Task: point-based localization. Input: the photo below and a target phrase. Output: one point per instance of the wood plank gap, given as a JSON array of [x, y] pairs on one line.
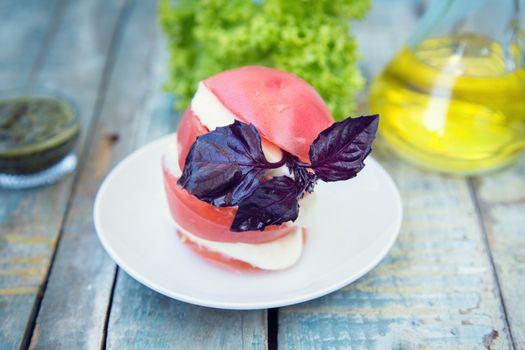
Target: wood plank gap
[[103, 343], [50, 32], [273, 328], [479, 213], [90, 134]]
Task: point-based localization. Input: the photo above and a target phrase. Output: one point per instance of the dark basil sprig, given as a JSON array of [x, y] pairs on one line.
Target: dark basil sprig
[[226, 167]]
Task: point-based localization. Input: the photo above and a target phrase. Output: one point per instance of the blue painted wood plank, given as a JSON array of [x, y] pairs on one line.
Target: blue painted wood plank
[[30, 221], [22, 259], [25, 25], [144, 319], [76, 64], [140, 317], [137, 111], [436, 289], [502, 197]]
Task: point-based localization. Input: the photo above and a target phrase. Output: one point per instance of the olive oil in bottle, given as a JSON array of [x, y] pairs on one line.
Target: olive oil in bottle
[[452, 104]]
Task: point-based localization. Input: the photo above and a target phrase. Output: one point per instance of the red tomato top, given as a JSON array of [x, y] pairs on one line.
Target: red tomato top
[[285, 109]]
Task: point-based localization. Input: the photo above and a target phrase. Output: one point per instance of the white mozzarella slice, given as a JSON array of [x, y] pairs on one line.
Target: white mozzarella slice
[[213, 114], [275, 255], [171, 159]]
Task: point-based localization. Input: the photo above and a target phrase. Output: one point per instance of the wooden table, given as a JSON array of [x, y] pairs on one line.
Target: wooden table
[[454, 279]]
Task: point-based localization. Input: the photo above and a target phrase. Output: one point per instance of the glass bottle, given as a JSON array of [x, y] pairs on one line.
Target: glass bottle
[[453, 99]]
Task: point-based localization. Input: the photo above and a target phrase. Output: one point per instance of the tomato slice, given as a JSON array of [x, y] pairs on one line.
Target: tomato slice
[[208, 222], [216, 257], [189, 128]]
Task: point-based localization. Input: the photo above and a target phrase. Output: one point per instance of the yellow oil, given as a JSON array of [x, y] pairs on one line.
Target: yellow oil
[[453, 104]]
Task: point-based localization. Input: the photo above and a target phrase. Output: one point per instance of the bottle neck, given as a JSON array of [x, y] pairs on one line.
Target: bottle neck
[[499, 24]]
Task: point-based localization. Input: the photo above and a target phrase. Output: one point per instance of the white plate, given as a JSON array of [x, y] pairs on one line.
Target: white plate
[[351, 228]]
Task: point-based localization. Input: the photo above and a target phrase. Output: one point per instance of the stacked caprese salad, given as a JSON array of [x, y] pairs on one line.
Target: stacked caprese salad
[[248, 153]]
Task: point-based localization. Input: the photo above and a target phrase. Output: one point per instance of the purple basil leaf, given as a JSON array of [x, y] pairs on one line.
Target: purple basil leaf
[[272, 203], [225, 166], [338, 152]]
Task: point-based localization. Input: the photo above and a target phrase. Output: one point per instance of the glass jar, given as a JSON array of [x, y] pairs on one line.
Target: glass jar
[[453, 99], [38, 130]]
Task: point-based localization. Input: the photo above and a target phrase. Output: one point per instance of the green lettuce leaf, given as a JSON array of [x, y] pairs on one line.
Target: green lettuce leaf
[[308, 38]]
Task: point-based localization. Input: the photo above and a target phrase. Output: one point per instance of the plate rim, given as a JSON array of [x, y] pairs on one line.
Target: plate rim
[[232, 305]]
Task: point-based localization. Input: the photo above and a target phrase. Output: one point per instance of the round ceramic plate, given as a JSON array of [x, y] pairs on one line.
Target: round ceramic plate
[[351, 227]]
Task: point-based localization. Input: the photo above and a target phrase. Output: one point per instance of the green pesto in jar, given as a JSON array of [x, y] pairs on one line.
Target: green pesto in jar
[[35, 133]]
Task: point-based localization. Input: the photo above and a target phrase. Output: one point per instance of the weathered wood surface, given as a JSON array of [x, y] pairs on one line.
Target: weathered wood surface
[[453, 280], [502, 204], [24, 28], [42, 51], [144, 319], [21, 266], [436, 289], [133, 112], [79, 59]]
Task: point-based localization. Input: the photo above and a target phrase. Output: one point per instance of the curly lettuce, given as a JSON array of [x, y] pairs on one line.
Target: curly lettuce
[[310, 38]]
